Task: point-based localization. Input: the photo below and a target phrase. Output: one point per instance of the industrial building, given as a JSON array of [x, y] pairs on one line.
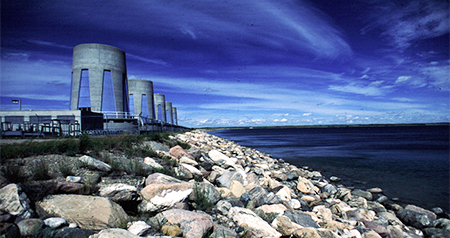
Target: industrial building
[[102, 101]]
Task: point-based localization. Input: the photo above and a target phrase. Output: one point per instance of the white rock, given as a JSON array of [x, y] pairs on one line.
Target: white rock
[[95, 163], [116, 187], [152, 162], [191, 169], [73, 179], [220, 158], [275, 208], [294, 203], [139, 228], [55, 222], [284, 194], [258, 226], [187, 160]]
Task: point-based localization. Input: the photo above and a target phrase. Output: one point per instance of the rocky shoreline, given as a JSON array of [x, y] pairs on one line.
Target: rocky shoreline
[[217, 188]]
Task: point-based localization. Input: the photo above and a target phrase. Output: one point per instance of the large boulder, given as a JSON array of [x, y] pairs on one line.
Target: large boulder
[[88, 212], [15, 202], [192, 224], [161, 196], [30, 226], [259, 227], [178, 152], [414, 218], [220, 158]]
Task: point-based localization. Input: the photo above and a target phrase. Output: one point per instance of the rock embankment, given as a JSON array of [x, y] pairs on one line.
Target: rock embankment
[[217, 188]]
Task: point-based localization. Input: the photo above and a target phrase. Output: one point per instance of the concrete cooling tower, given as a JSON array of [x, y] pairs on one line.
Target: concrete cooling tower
[[141, 97], [160, 107], [99, 79]]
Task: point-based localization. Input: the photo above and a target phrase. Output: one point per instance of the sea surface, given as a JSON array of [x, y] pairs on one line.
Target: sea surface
[[410, 163]]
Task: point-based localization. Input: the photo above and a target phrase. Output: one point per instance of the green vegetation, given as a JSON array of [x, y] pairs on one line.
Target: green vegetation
[[202, 201], [40, 170], [88, 145]]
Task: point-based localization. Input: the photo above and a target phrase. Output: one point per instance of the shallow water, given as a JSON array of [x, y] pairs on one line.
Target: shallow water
[[410, 163]]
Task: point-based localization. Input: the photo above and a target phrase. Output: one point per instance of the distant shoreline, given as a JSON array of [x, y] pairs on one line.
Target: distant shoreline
[[324, 126]]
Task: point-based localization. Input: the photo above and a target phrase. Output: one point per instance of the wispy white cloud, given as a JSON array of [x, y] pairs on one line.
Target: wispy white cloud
[[402, 79], [412, 21], [144, 59], [47, 43], [369, 90]]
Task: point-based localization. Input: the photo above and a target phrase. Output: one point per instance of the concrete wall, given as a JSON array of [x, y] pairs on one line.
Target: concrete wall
[[170, 113], [98, 58], [160, 101], [138, 88]]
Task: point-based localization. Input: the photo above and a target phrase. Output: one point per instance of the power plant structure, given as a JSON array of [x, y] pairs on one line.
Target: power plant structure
[[102, 101]]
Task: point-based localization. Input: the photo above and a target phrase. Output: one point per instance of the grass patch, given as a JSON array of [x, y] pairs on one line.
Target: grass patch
[[202, 201], [65, 168], [89, 145], [40, 170], [12, 173]]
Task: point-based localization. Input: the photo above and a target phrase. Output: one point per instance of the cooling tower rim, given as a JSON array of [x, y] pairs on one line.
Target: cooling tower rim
[[98, 45]]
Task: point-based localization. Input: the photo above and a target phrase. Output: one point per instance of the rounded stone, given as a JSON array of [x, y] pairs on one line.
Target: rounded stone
[[335, 179], [28, 227], [375, 190]]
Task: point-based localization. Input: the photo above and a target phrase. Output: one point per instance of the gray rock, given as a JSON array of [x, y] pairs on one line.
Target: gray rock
[[330, 188], [435, 232], [15, 202], [55, 222], [29, 226], [437, 210], [95, 163], [361, 193], [421, 210], [89, 212], [361, 214], [415, 219], [207, 191], [442, 223], [156, 146], [119, 192], [9, 230], [223, 207], [225, 179], [301, 218], [258, 195]]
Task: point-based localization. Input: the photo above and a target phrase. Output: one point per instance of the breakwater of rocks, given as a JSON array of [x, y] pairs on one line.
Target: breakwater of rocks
[[216, 188]]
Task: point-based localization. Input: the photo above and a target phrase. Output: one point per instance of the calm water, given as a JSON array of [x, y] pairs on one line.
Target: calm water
[[408, 162]]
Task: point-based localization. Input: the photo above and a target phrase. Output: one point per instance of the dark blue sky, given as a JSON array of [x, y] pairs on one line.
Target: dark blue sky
[[256, 62]]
